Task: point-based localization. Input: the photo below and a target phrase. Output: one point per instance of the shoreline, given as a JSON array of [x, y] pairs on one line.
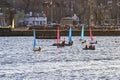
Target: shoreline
[[63, 33]]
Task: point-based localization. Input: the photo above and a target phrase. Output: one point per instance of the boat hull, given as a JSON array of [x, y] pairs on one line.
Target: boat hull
[[69, 43], [36, 50], [89, 47], [95, 42], [58, 45]]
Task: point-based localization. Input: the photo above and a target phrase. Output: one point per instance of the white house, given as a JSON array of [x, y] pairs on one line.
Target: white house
[[75, 17], [39, 20]]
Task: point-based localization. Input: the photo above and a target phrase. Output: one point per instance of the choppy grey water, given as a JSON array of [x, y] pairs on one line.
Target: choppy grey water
[[18, 62]]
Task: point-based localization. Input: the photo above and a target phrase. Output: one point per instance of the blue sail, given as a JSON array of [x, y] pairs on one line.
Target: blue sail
[[34, 44], [82, 33], [70, 34]]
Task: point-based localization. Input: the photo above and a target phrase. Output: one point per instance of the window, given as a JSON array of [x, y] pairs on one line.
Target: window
[[37, 22], [40, 22]]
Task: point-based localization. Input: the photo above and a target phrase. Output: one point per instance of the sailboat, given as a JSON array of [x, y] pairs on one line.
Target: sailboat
[[70, 42], [89, 47], [34, 43], [58, 44], [91, 37], [82, 35]]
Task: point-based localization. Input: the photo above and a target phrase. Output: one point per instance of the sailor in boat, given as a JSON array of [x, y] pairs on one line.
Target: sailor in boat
[[82, 41], [60, 44], [63, 42], [70, 42], [89, 47], [39, 49]]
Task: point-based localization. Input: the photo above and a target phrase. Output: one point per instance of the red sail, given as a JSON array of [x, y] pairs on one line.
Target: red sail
[[58, 36], [91, 36]]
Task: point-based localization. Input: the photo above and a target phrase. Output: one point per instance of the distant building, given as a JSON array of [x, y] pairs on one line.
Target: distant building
[[37, 20], [74, 20]]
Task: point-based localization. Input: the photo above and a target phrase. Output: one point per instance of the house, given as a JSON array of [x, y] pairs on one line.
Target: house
[[74, 20], [35, 20]]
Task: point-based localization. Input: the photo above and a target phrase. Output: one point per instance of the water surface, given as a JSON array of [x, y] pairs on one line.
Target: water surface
[[18, 62]]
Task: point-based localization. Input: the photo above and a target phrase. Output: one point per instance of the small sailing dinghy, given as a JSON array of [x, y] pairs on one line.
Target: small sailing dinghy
[[58, 44], [91, 37], [89, 47], [82, 35], [70, 42], [34, 43]]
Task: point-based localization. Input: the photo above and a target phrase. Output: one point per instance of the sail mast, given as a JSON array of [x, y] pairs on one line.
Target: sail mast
[[91, 36], [70, 34], [34, 45], [82, 33], [58, 36]]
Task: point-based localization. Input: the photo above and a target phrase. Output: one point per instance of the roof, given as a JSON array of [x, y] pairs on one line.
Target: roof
[[70, 18], [67, 18]]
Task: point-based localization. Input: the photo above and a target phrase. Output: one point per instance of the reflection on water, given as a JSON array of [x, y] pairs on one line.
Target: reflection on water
[[18, 62]]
